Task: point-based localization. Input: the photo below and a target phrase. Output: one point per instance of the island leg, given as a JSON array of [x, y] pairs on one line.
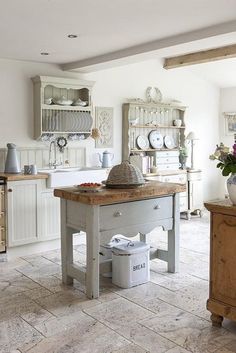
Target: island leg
[[173, 238], [93, 243], [66, 245], [216, 320]]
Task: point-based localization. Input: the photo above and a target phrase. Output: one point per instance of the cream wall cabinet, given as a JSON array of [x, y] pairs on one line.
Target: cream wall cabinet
[[33, 213], [140, 118], [61, 119]]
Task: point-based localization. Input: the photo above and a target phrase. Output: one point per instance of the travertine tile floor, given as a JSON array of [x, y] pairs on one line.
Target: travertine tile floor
[[40, 315]]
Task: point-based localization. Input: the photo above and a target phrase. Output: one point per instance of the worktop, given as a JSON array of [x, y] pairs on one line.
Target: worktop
[[16, 177], [107, 196]]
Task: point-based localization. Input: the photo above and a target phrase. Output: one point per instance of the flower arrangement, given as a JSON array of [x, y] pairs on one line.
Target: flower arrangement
[[226, 158]]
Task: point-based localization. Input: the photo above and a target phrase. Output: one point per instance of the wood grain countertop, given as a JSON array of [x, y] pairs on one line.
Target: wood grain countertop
[[221, 206], [108, 196], [16, 177]]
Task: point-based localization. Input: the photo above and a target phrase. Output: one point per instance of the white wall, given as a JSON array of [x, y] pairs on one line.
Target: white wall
[[227, 104], [16, 99], [112, 87]]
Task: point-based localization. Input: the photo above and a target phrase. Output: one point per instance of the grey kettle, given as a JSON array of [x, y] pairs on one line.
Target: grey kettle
[[12, 164]]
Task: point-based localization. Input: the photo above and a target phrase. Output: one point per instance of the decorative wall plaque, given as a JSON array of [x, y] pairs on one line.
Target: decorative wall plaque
[[104, 123]]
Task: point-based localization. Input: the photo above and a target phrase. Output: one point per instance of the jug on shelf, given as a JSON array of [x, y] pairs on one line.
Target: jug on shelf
[[106, 159], [12, 163]]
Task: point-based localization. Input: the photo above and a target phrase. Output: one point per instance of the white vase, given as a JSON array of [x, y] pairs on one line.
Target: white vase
[[231, 186]]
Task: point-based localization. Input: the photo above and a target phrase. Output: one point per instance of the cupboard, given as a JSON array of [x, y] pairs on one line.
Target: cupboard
[[57, 109], [222, 295]]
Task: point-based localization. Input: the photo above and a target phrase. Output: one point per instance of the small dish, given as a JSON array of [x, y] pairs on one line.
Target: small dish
[[85, 187], [155, 139], [62, 101], [80, 103], [48, 101], [142, 142], [169, 142]]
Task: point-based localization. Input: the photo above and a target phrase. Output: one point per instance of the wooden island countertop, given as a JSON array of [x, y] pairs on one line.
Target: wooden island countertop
[[21, 176], [108, 196]]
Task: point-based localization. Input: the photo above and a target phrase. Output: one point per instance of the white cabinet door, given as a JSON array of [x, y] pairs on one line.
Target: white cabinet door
[[49, 216], [22, 204]]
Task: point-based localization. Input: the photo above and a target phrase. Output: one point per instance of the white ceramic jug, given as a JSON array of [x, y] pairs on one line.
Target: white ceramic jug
[[106, 159], [12, 164]]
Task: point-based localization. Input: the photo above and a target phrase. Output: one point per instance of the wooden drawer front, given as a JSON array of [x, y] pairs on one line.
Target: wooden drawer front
[[172, 166], [2, 218], [167, 160], [163, 154], [137, 212], [2, 238], [2, 199], [223, 261], [178, 178], [195, 176]]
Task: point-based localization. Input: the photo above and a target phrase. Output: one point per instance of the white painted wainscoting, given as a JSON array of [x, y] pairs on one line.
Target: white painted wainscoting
[[77, 156]]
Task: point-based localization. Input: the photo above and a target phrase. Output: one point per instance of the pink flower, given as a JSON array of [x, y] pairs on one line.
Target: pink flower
[[234, 150]]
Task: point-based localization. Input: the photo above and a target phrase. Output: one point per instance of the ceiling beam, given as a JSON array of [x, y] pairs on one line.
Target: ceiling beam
[[208, 32], [200, 57]]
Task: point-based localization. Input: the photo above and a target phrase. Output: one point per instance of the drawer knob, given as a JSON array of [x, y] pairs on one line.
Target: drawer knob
[[157, 207], [117, 214], [9, 190]]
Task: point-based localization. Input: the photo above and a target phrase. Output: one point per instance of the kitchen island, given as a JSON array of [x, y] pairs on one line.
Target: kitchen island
[[116, 211]]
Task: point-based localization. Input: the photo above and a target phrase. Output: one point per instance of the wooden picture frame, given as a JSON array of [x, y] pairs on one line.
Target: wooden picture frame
[[230, 123]]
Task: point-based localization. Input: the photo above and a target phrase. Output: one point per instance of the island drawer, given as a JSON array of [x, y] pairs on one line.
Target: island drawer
[[136, 212]]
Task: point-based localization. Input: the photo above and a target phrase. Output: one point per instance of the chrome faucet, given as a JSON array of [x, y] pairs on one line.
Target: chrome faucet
[[54, 163]]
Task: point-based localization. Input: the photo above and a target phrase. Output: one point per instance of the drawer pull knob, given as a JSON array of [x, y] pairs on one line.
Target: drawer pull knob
[[157, 207], [117, 214], [9, 190]]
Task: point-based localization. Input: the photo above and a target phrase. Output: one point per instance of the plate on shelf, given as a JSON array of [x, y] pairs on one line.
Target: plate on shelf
[[169, 141], [155, 139], [142, 142]]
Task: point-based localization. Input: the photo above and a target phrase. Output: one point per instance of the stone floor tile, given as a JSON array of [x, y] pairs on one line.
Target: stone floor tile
[[229, 325], [55, 325], [178, 349], [36, 316], [146, 338], [95, 338], [66, 303], [118, 313], [131, 348], [37, 293], [207, 340], [231, 346], [16, 333], [38, 271], [178, 328], [15, 305], [14, 283]]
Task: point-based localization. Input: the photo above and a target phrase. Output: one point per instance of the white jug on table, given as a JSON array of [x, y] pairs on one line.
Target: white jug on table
[[106, 159]]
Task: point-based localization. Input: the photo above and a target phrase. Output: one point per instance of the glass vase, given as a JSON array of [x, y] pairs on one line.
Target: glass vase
[[231, 186]]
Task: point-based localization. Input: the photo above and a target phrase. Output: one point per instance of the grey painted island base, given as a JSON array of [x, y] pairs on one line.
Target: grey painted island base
[[101, 222]]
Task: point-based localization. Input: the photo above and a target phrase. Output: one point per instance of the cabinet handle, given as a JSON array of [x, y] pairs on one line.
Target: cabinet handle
[[117, 214], [9, 190], [157, 207]]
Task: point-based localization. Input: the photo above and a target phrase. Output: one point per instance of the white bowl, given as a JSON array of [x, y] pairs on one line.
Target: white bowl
[[177, 122]]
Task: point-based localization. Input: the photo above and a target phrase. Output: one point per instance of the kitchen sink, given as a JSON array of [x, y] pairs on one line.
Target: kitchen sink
[[73, 176]]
